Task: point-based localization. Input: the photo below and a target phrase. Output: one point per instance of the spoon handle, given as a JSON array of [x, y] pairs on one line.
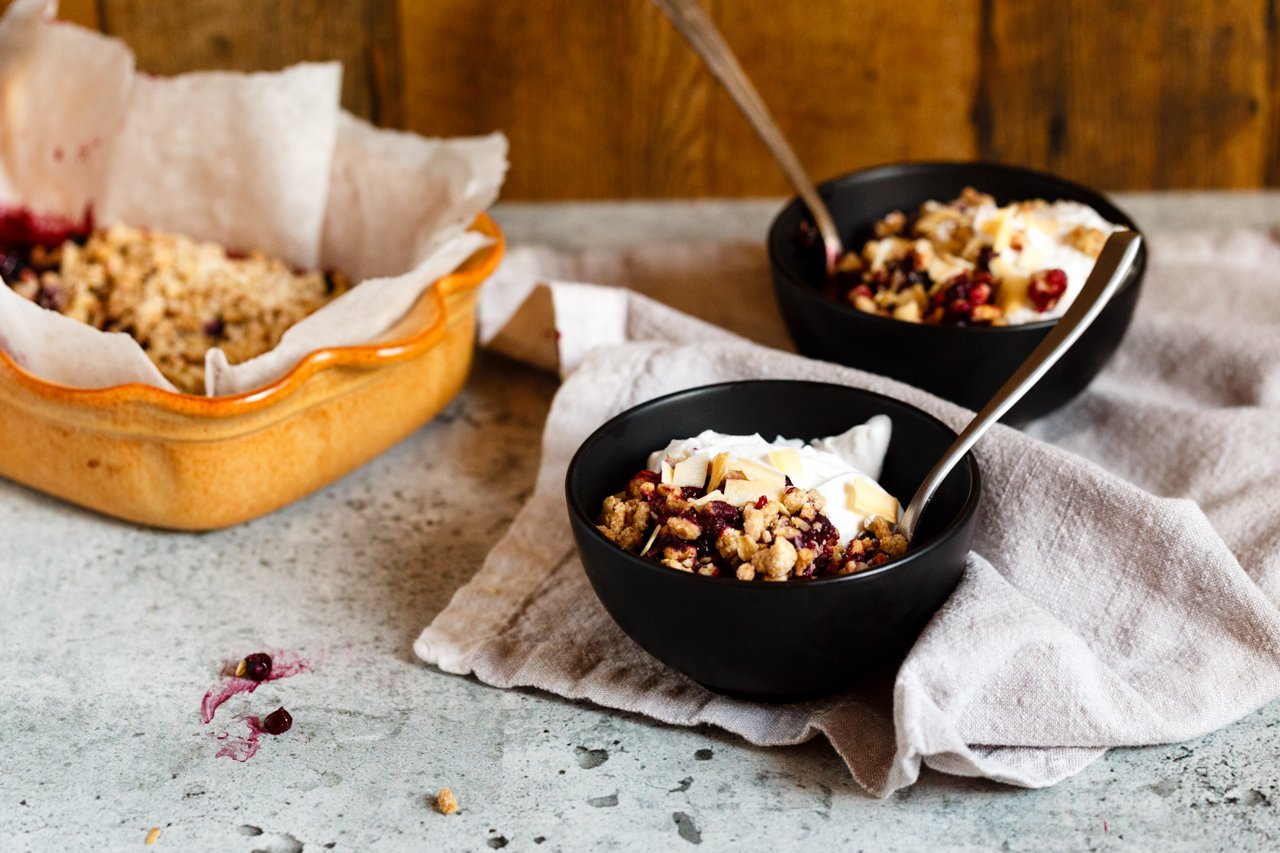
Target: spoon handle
[[1117, 257], [692, 22]]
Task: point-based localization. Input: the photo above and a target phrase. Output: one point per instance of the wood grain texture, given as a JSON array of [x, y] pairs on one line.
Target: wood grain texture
[[1272, 149], [170, 36], [604, 100], [599, 100], [846, 100], [1126, 95], [82, 12]]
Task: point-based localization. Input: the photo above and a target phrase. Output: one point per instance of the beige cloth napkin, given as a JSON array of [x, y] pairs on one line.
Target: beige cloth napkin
[[1125, 578]]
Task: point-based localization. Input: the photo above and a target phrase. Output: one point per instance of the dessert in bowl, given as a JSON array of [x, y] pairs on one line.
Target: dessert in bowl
[[954, 312], [774, 640], [741, 506]]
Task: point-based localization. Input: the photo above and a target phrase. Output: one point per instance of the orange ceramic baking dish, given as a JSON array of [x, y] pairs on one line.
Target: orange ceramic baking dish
[[198, 463]]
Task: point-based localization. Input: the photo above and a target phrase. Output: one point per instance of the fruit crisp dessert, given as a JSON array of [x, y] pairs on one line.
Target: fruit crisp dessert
[[177, 297], [740, 506], [969, 262]]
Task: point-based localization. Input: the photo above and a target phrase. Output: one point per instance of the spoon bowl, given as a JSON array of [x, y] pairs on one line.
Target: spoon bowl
[[964, 364], [775, 641]]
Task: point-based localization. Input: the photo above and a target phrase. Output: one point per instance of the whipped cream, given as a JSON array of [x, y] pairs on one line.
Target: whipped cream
[[843, 468]]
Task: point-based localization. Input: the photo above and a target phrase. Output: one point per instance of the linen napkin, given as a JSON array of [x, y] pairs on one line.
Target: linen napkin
[[1125, 574]]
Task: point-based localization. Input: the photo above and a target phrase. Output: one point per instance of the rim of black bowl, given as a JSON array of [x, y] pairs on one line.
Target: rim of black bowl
[[795, 280], [968, 509]]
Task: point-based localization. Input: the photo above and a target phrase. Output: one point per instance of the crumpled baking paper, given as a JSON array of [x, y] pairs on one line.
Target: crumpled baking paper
[[263, 160]]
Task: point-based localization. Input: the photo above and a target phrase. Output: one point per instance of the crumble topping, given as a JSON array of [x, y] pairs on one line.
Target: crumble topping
[[446, 802], [738, 506], [177, 297], [969, 262]]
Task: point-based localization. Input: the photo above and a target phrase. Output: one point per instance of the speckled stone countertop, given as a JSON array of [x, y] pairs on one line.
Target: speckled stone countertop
[[111, 635]]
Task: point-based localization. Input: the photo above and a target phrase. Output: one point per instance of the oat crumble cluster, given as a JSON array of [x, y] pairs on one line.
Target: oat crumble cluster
[[175, 296], [770, 540], [967, 262]]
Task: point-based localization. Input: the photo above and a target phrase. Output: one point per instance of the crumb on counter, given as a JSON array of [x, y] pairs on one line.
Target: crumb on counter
[[153, 836], [446, 802]]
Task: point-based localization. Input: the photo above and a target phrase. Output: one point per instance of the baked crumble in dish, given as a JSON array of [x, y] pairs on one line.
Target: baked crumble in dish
[[970, 262], [176, 296], [741, 507]]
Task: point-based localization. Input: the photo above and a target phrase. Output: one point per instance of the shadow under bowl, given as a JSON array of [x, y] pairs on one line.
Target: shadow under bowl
[[774, 641], [964, 364]]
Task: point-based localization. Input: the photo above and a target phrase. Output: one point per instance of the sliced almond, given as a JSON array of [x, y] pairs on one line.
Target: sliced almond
[[866, 498], [717, 495], [719, 469], [788, 461], [757, 471], [667, 472], [909, 311], [1012, 294], [691, 472], [743, 492]]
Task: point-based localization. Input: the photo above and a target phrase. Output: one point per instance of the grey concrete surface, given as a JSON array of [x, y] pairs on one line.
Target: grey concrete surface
[[112, 633]]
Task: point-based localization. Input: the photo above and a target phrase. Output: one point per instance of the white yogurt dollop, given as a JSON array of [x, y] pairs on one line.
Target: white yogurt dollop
[[843, 468], [1042, 243]]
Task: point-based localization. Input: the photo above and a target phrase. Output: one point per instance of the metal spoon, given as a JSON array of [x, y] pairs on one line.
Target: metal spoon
[[692, 22], [1117, 257]]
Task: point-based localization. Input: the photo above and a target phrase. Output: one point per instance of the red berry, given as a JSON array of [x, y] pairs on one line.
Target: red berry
[[257, 666], [1046, 288], [277, 722]]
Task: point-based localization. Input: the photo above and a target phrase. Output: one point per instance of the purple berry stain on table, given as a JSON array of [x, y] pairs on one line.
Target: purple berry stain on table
[[244, 747], [282, 666], [246, 676]]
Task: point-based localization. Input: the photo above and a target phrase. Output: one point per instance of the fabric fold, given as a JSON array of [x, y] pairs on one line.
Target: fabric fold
[[1122, 586]]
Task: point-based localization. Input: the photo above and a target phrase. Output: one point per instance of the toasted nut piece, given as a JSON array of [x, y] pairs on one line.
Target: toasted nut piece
[[986, 313], [684, 528], [879, 527], [910, 312]]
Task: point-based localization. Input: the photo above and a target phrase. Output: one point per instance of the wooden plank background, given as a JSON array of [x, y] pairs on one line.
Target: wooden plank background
[[601, 99]]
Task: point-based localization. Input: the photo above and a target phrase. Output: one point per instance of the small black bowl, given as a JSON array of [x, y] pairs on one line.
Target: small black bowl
[[775, 641], [965, 364]]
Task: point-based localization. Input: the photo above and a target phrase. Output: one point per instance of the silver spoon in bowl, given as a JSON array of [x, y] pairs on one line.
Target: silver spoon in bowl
[[1118, 255], [692, 21]]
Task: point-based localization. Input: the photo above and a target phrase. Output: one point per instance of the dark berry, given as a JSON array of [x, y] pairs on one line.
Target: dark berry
[[257, 666], [962, 293], [1046, 288], [215, 328], [52, 298], [983, 263], [10, 263], [277, 722]]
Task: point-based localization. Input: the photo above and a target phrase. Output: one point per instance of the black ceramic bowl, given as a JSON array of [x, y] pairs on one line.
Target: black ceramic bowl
[[774, 640], [959, 363]]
